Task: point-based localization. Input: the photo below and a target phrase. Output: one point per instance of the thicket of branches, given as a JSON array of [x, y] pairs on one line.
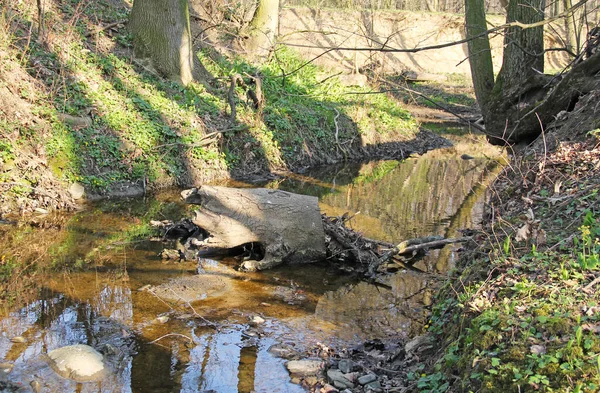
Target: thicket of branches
[[553, 8]]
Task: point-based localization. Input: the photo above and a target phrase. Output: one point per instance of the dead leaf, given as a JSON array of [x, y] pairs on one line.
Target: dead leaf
[[537, 349], [590, 327], [523, 233]]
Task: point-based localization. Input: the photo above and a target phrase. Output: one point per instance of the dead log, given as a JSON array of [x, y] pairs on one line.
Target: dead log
[[287, 225]]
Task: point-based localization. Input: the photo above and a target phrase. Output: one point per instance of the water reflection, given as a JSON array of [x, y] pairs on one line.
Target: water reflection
[[438, 193]]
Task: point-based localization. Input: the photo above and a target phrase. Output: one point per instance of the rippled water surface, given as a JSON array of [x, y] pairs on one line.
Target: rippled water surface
[[157, 343]]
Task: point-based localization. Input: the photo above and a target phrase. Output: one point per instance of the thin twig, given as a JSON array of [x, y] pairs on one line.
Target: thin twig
[[172, 335], [105, 27]]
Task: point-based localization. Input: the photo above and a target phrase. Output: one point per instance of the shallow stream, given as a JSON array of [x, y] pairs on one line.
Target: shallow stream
[[153, 343]]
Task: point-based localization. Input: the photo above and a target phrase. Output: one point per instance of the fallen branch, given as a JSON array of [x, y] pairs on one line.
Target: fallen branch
[[412, 245], [105, 27]]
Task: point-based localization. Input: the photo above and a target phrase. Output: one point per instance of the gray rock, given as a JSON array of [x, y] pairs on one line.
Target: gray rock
[[282, 351], [365, 379], [305, 367], [373, 386], [78, 362], [346, 365], [418, 342], [338, 379], [76, 190]]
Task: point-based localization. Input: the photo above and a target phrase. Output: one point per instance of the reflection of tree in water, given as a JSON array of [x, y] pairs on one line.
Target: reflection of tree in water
[[367, 310], [416, 198]]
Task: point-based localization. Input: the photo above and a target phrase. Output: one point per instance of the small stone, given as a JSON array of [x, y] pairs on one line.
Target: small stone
[[365, 379], [282, 351], [305, 367], [18, 340], [338, 379], [346, 365], [162, 319], [78, 362], [329, 389], [76, 190], [374, 386], [257, 320], [418, 342], [35, 386]]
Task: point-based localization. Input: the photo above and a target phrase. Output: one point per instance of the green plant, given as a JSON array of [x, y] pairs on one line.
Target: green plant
[[589, 245]]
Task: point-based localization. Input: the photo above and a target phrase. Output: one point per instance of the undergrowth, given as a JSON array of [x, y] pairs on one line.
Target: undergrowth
[[525, 315], [102, 119]]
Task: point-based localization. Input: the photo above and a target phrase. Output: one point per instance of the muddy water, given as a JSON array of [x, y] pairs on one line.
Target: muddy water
[[153, 342]]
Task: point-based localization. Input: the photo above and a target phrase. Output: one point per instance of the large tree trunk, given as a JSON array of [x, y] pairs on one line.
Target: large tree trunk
[[520, 83], [162, 36], [287, 226], [263, 29]]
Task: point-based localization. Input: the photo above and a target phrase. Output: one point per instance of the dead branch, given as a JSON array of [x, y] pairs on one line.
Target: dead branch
[[105, 27], [412, 245], [235, 79], [386, 49]]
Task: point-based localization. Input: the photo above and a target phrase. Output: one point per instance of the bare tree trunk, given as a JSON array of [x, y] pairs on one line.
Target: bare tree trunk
[[162, 36], [570, 29], [480, 55], [263, 29]]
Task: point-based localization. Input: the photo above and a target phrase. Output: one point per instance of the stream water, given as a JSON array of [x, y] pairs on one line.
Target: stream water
[[153, 344]]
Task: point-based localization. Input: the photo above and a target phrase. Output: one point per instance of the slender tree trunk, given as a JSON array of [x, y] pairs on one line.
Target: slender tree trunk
[[480, 55], [161, 35], [263, 29], [571, 33]]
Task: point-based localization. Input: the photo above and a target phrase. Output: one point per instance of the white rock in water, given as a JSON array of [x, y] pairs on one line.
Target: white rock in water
[[76, 190], [78, 362]]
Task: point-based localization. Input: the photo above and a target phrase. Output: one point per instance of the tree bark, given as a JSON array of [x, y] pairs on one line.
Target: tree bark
[[263, 29], [288, 226], [520, 83], [161, 35], [480, 55]]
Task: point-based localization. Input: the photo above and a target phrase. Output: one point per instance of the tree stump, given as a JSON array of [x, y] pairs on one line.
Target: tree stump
[[288, 226]]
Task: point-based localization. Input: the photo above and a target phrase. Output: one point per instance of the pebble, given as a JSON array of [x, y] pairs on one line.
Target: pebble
[[18, 340], [305, 367], [365, 379], [282, 351], [346, 365], [338, 379], [373, 386], [35, 386], [329, 389], [162, 319], [78, 362], [257, 320]]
